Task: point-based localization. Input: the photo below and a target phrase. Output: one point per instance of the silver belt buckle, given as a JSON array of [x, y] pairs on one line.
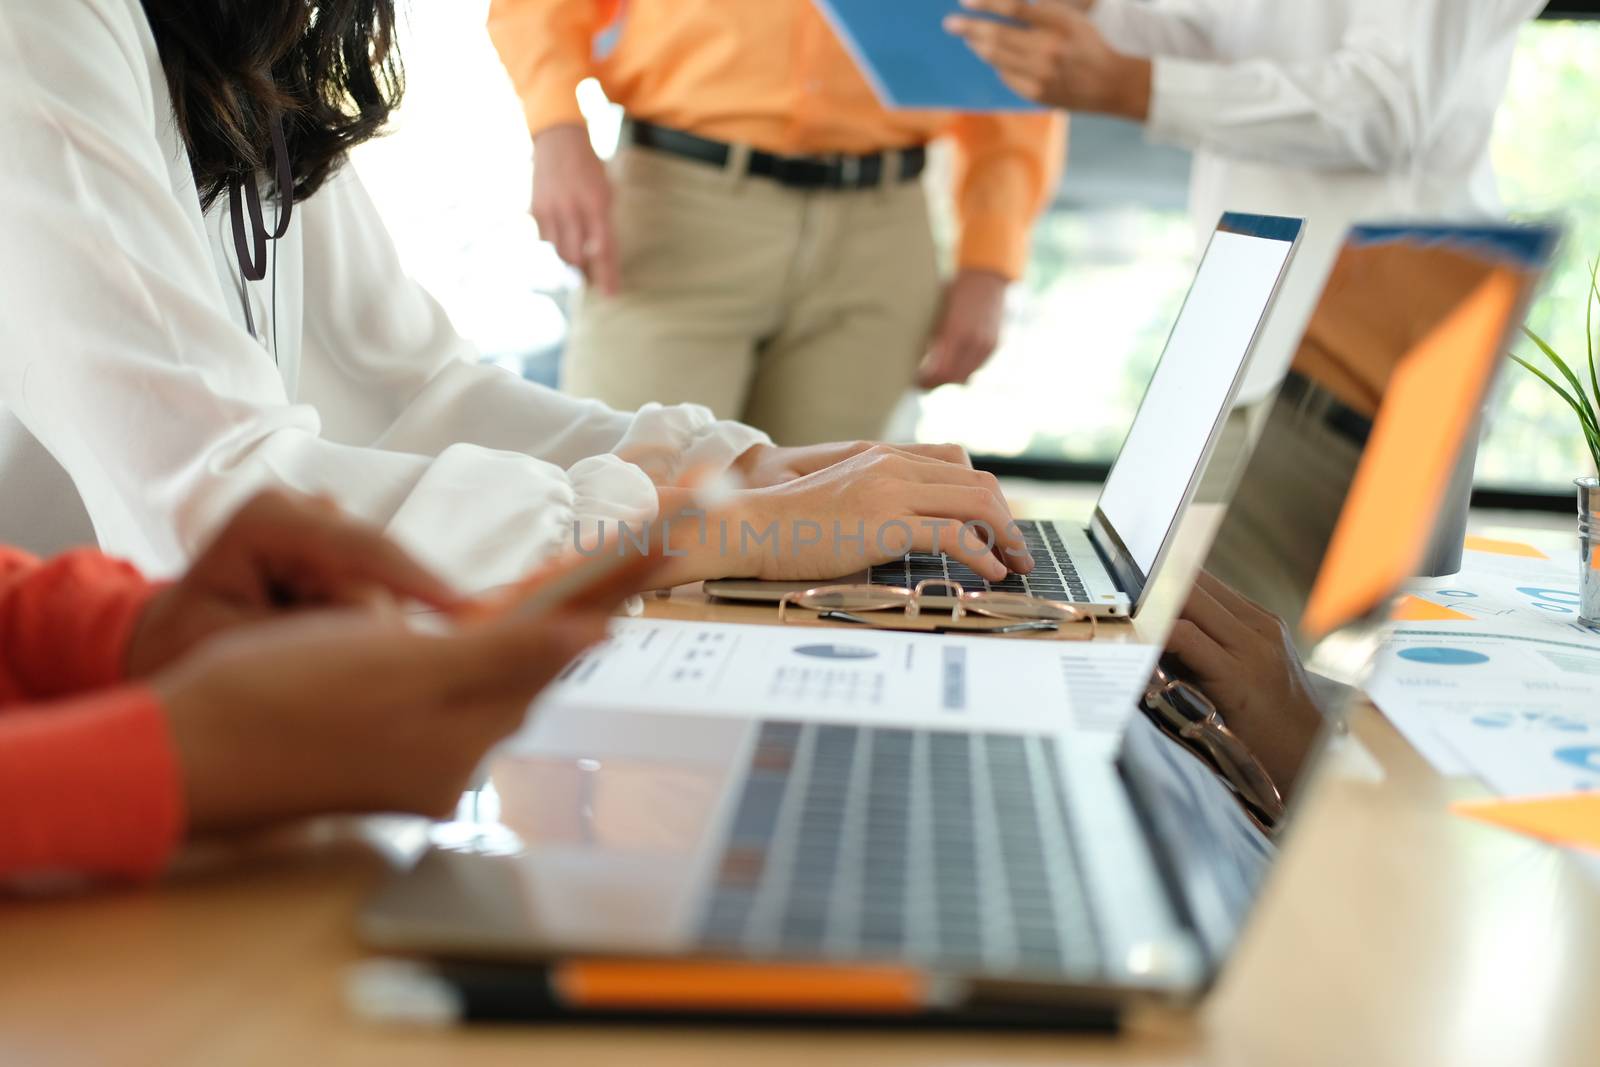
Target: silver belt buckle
[[850, 171]]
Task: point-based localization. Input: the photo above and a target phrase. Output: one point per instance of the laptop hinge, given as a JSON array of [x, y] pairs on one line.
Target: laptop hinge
[[1107, 563]]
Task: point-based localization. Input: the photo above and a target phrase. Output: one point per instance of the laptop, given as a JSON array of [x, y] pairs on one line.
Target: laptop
[[1009, 876], [1106, 566]]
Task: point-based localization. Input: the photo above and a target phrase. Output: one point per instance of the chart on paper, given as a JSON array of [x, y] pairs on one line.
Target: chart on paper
[[1491, 672], [857, 675]]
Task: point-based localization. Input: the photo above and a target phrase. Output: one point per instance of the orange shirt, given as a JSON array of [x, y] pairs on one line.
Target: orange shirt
[[771, 73], [88, 785]]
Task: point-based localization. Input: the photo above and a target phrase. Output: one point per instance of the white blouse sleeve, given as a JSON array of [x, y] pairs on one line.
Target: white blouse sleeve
[[1372, 104], [117, 353], [390, 373]]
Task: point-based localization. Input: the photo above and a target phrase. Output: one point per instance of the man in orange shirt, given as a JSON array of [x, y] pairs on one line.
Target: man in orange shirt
[[761, 243]]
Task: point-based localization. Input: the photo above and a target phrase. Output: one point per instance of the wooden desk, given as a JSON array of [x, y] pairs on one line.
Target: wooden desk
[[1392, 933]]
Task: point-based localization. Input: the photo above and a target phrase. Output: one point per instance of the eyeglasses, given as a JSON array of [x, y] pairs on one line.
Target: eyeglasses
[[1017, 612], [1188, 716]]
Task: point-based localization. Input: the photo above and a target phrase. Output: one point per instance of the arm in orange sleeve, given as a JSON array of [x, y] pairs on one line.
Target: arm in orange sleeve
[[547, 48], [1007, 167], [65, 624], [90, 786]]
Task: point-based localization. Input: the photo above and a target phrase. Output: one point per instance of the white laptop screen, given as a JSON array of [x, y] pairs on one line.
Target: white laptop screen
[[1192, 386]]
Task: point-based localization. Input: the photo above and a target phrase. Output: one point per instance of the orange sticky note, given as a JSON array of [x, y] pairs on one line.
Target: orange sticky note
[[1415, 609], [1571, 819], [1504, 548]]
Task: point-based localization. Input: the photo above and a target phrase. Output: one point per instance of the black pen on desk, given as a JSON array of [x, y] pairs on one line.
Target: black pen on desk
[[413, 992]]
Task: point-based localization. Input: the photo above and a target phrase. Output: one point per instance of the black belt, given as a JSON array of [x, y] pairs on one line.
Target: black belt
[[1311, 400], [794, 172]]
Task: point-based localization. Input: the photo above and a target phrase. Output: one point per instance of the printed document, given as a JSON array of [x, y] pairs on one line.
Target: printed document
[[859, 675]]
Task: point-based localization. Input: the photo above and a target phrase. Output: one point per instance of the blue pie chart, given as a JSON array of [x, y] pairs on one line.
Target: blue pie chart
[[1443, 657], [1584, 757]]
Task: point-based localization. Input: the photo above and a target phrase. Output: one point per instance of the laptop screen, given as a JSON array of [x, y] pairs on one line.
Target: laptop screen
[[1191, 389], [1332, 509]]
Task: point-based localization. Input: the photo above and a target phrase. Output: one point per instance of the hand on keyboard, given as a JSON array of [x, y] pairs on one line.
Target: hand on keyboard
[[870, 508]]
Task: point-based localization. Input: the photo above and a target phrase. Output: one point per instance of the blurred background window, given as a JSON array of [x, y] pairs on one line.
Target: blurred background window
[[1547, 151], [1112, 256]]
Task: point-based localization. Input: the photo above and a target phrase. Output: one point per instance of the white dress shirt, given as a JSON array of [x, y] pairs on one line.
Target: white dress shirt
[[1336, 110], [125, 360]]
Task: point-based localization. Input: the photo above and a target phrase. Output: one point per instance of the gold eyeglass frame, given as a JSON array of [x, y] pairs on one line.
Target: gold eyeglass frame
[[983, 602], [1203, 732]]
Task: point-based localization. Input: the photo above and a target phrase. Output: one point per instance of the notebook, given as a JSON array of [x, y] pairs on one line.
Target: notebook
[[903, 50]]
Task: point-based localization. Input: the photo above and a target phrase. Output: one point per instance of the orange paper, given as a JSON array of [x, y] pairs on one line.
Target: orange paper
[[1415, 609], [1504, 548], [1571, 819]]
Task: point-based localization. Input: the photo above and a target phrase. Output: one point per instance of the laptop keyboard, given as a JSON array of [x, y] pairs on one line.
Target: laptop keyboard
[[876, 843], [1055, 576]]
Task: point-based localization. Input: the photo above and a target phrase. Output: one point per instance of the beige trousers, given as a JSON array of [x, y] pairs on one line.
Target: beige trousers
[[803, 313]]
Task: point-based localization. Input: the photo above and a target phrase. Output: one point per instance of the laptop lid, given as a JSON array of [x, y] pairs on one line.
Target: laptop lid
[[1331, 511], [1187, 401]]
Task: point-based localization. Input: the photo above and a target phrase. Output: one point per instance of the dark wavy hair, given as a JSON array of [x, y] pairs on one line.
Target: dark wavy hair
[[328, 68]]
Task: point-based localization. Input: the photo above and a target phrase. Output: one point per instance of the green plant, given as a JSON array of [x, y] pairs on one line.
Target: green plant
[[1586, 407]]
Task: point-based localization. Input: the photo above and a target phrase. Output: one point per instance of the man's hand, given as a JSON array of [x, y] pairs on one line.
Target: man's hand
[[969, 328], [572, 204], [279, 552], [1058, 57]]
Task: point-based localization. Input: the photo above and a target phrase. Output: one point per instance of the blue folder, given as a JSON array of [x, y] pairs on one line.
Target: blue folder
[[902, 48]]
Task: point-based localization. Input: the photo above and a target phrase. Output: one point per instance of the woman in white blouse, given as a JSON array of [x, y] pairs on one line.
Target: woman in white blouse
[[160, 348]]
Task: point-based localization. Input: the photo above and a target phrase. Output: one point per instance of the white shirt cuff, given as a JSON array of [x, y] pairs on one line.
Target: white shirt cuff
[[668, 443], [1182, 98]]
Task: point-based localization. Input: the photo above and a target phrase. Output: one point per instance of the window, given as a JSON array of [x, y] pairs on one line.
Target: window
[[452, 181], [1548, 154], [1112, 258]]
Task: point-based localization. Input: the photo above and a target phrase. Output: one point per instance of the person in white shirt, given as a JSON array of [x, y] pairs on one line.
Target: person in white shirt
[[175, 334], [1335, 110]]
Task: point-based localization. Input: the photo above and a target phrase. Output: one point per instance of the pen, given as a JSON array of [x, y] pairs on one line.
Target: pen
[[421, 993]]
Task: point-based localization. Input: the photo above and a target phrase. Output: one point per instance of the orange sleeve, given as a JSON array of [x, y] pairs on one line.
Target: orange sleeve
[[88, 787], [547, 48], [65, 624], [1007, 168]]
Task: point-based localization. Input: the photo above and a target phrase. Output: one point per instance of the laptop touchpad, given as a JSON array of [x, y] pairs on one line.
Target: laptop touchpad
[[615, 818]]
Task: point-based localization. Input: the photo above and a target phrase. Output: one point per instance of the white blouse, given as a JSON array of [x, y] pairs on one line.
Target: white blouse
[[125, 360], [1336, 110]]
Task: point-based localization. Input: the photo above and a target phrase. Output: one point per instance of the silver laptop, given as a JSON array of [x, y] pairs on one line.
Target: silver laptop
[[1107, 566], [1047, 876]]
